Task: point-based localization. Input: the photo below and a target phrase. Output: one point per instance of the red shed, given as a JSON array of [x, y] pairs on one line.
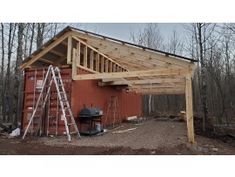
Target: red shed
[[110, 74]]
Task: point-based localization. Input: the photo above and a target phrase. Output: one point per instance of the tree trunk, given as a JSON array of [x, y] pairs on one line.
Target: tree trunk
[[40, 34], [31, 39], [9, 96], [18, 76], [203, 77], [2, 76]]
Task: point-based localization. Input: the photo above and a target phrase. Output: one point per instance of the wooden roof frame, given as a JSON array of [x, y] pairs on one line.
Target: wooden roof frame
[[115, 62]]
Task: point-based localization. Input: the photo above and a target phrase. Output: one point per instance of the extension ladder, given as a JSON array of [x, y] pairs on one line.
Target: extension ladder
[[53, 75]]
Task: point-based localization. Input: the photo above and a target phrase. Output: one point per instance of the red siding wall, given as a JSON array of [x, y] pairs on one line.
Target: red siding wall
[[86, 93]]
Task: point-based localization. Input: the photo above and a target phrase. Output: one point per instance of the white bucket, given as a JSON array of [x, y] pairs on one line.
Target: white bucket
[[98, 127]]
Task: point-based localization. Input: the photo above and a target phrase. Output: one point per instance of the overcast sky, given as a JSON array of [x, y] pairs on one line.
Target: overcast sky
[[123, 30]]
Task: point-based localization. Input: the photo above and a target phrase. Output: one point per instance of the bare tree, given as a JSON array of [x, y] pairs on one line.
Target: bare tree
[[11, 38], [203, 32], [18, 76], [150, 36], [174, 44], [40, 34], [199, 28], [31, 38], [2, 74]]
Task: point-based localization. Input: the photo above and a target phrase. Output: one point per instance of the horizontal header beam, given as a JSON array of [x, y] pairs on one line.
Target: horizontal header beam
[[142, 81], [160, 91], [159, 72]]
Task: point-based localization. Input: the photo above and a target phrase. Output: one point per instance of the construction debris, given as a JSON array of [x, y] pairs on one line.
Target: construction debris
[[15, 133], [214, 149], [182, 116], [135, 120], [124, 131], [131, 118], [118, 127]]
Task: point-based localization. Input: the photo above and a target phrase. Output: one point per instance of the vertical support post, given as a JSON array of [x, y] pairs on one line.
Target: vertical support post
[[189, 108], [119, 69], [106, 65], [85, 57], [115, 67], [97, 58], [76, 59], [74, 63], [110, 66], [92, 60], [69, 50], [78, 54], [102, 64]]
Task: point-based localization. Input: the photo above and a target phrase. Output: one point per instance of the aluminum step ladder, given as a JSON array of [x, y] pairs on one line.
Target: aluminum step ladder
[[53, 75]]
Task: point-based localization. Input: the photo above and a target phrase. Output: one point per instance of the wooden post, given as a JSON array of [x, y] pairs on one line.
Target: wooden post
[[74, 63], [92, 54], [97, 58], [102, 64], [106, 65], [115, 67], [69, 50], [78, 53], [110, 66], [189, 108], [119, 69], [85, 57]]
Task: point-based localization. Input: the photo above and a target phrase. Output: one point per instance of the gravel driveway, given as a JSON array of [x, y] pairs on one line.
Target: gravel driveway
[[150, 134]]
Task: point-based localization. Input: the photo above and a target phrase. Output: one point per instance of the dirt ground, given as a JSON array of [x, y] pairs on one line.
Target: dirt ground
[[151, 137]]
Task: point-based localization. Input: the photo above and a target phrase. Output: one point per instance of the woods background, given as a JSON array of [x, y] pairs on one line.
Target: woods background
[[213, 45]]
